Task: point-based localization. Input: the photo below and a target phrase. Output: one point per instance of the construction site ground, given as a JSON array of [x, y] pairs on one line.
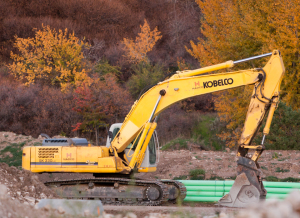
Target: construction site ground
[[25, 189]]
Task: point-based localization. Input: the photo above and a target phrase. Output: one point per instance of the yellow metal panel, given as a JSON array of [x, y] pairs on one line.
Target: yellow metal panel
[[104, 151], [32, 156], [106, 162], [26, 158], [147, 169], [48, 156], [68, 156], [88, 156], [72, 169]]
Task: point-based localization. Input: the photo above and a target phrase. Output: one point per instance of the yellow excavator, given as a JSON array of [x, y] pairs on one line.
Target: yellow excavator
[[133, 146]]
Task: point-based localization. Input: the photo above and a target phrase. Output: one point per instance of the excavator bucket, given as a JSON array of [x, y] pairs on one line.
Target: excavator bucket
[[247, 188]]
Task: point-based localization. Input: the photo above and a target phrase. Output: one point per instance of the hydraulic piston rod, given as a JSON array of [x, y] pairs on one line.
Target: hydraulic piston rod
[[227, 64], [252, 58]]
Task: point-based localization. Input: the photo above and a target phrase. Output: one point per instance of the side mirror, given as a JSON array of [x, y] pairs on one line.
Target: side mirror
[[110, 134]]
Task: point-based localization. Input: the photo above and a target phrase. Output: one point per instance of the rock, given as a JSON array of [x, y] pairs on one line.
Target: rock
[[31, 200], [194, 158], [105, 215], [3, 191], [74, 207], [130, 215], [294, 199], [223, 215], [86, 213], [61, 210], [18, 193], [32, 188], [43, 196]]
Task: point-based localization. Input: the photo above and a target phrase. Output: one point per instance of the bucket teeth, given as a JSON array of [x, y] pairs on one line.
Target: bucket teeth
[[247, 187]]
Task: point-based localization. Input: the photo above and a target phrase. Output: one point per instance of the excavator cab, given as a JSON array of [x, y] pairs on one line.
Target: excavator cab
[[151, 154]]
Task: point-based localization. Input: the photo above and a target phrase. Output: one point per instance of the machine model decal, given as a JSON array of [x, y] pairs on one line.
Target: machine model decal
[[216, 83], [68, 157]]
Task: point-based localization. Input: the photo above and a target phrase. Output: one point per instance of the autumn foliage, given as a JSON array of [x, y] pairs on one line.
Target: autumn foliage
[[136, 51], [102, 103], [234, 30], [50, 57]]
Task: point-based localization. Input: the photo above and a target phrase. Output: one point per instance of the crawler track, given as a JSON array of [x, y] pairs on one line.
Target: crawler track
[[179, 188], [113, 191]]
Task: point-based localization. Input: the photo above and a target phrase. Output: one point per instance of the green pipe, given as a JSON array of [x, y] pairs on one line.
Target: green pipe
[[202, 199], [205, 194], [230, 183], [280, 190], [215, 199], [227, 189], [208, 188], [206, 182], [282, 184], [221, 194]]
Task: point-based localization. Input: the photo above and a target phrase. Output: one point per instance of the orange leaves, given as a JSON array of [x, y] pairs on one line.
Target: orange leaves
[[51, 57], [136, 51]]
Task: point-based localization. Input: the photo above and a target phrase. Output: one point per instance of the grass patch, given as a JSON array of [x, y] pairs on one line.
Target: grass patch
[[182, 177], [16, 150], [37, 144], [197, 174], [264, 168], [279, 170], [275, 179], [176, 144], [275, 155], [216, 178]]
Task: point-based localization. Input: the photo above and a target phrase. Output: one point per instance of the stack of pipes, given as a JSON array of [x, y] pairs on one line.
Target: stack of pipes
[[213, 190]]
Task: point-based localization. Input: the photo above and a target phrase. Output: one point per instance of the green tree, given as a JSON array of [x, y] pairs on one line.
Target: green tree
[[145, 75], [285, 130]]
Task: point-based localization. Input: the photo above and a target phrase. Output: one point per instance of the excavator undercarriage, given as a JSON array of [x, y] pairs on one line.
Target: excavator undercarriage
[[119, 191]]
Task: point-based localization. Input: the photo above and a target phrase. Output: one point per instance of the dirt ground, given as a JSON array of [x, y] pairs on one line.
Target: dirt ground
[[25, 189], [281, 164]]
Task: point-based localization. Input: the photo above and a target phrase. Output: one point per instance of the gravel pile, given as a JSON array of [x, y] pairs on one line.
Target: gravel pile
[[23, 185], [274, 208]]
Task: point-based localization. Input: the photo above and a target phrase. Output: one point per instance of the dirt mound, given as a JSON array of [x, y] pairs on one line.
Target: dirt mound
[[23, 185]]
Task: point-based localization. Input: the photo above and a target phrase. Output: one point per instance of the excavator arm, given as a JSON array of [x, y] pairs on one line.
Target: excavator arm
[[187, 84], [140, 123]]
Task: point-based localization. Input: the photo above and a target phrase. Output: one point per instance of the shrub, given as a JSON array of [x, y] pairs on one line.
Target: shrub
[[12, 154], [144, 77], [35, 109], [197, 174]]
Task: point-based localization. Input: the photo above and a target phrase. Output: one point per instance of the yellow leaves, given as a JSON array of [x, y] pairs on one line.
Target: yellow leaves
[[51, 57], [235, 29], [136, 51]]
